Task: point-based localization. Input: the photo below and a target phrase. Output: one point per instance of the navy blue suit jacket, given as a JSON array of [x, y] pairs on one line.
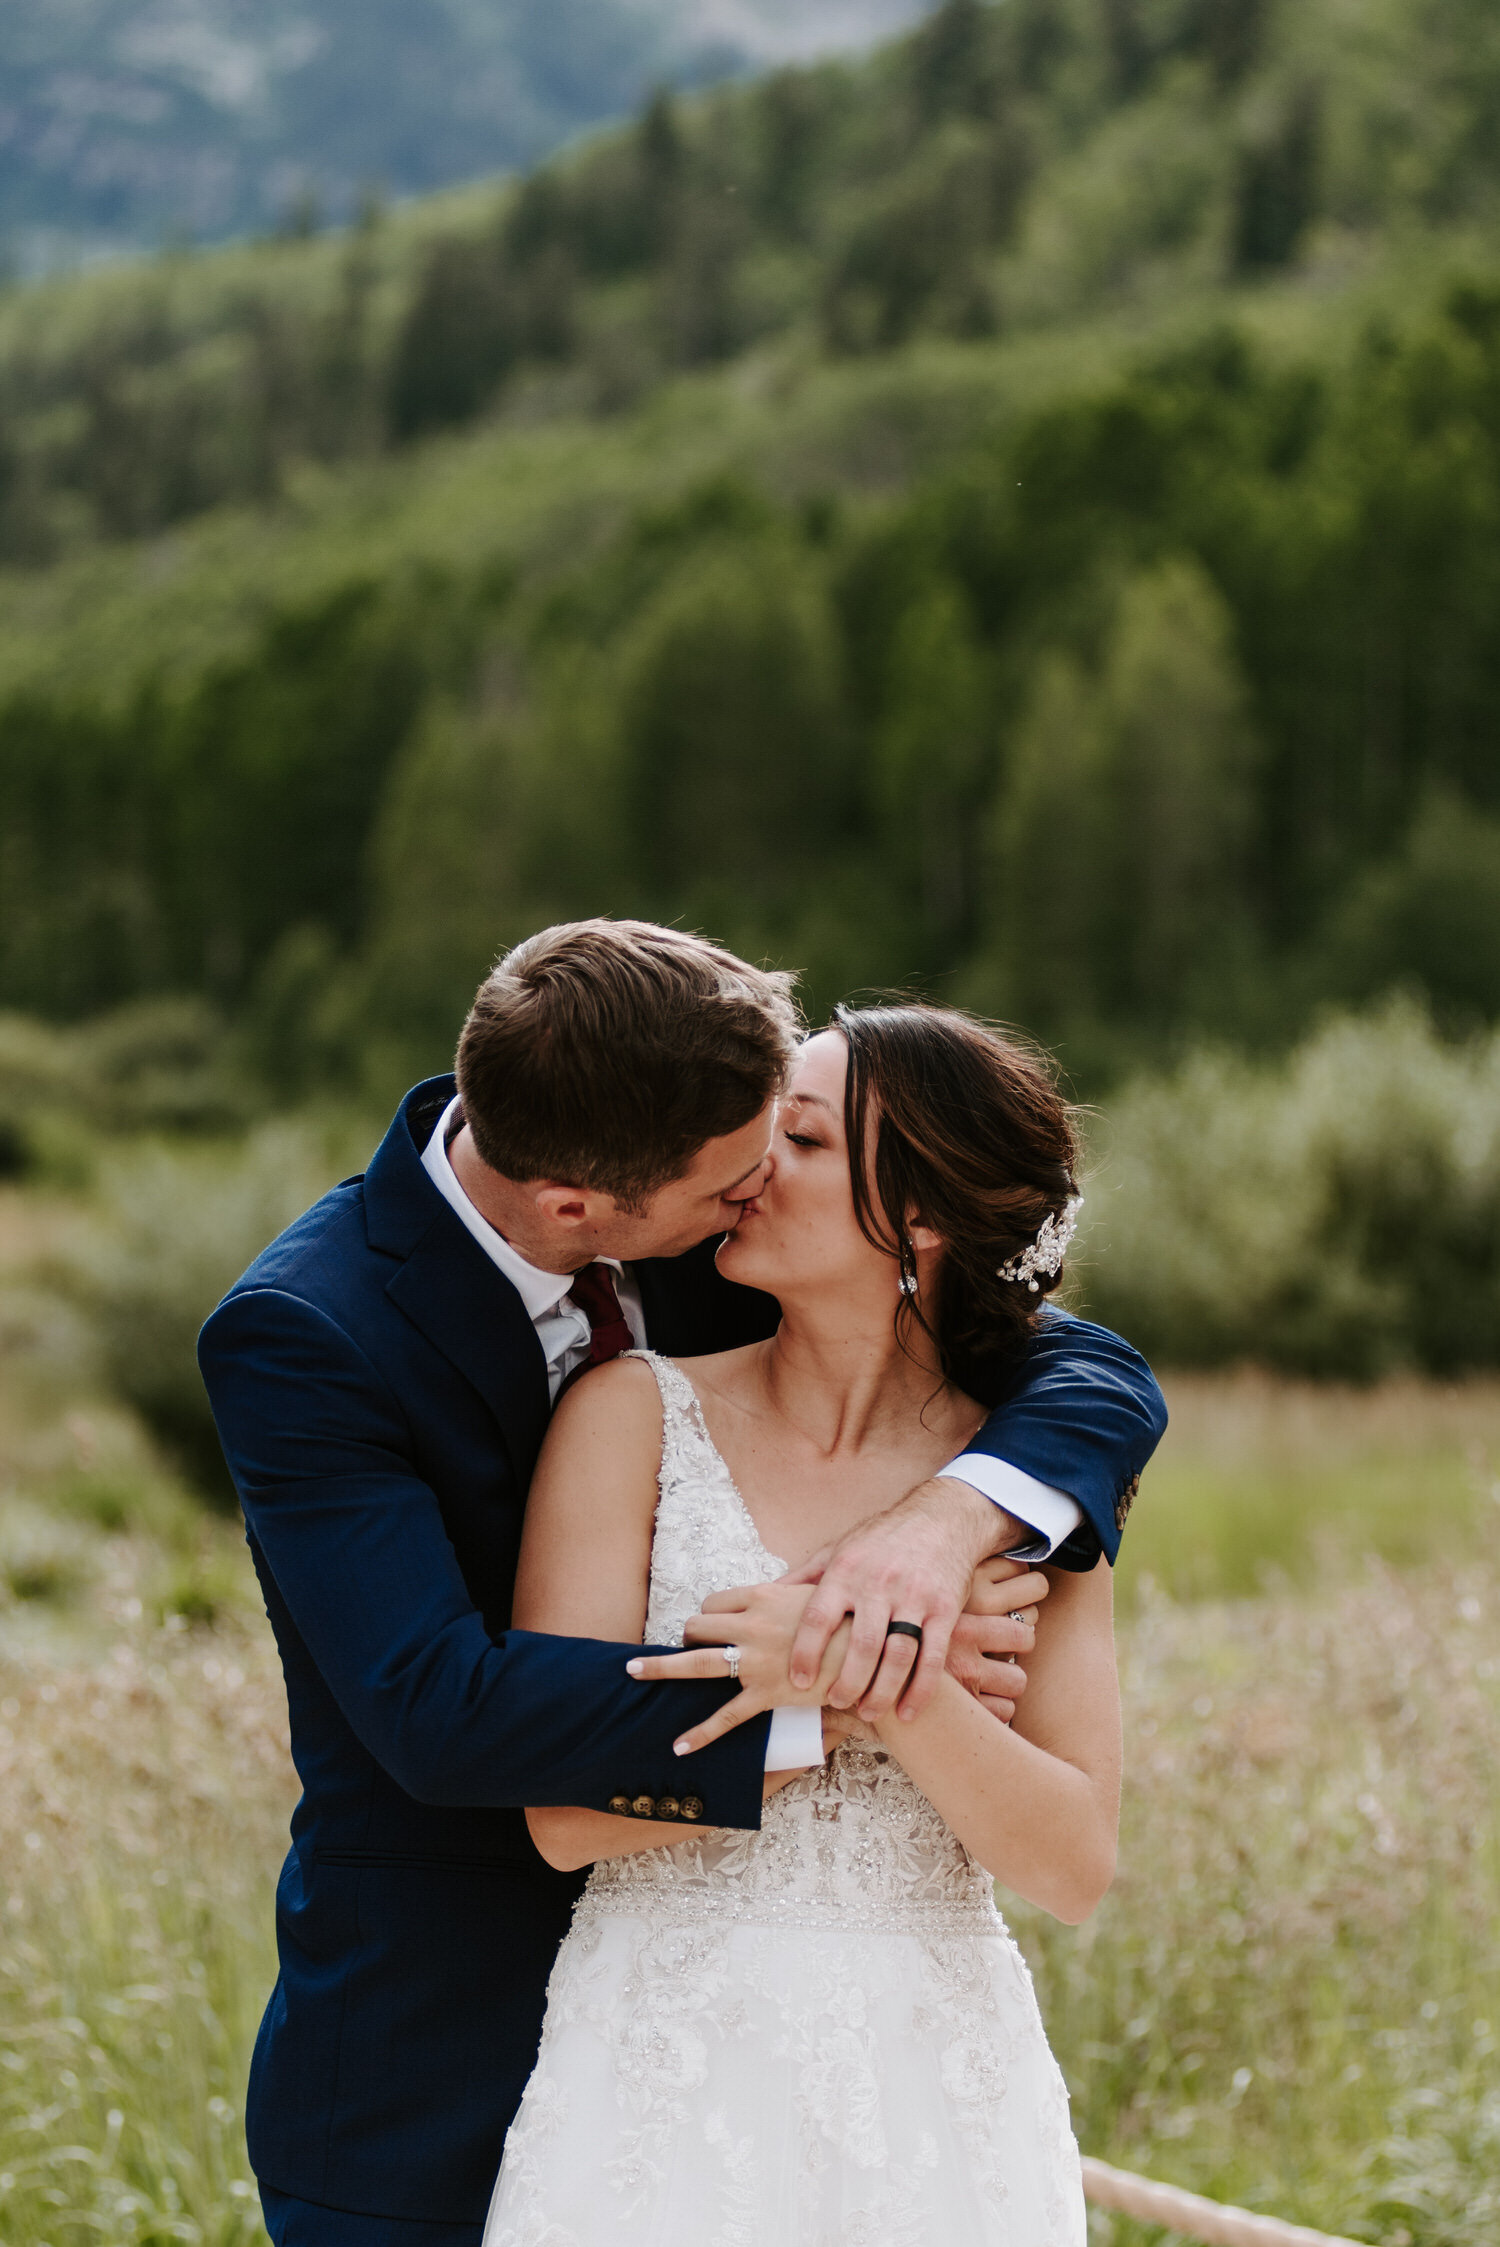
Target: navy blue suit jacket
[[382, 1396]]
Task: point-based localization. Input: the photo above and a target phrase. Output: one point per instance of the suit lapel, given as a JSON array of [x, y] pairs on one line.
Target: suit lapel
[[446, 1285], [451, 1291]]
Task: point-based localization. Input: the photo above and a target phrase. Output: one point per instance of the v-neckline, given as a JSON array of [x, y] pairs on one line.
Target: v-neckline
[[734, 1489]]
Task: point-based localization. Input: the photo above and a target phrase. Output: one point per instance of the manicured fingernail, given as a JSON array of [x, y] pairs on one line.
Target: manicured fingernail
[[635, 1668], [679, 1747]]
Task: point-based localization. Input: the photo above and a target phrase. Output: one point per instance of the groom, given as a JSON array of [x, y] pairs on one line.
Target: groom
[[382, 1378]]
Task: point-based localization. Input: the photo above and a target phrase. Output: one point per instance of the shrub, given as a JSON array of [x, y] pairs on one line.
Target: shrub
[[152, 1064], [179, 1224], [1337, 1212], [44, 1558]]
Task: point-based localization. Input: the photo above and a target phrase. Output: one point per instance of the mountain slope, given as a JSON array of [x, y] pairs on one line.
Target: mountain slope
[[1004, 170], [128, 121], [1021, 510]]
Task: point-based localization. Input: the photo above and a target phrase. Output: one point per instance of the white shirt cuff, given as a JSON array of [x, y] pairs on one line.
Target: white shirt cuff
[[1051, 1514], [795, 1742]]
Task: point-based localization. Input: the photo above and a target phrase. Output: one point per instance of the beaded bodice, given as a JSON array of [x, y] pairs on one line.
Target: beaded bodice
[[854, 1844]]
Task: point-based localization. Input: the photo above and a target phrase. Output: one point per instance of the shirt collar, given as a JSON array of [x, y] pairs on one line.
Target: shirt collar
[[540, 1292]]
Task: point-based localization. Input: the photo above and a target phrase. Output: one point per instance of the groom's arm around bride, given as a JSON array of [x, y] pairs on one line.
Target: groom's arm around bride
[[382, 1378]]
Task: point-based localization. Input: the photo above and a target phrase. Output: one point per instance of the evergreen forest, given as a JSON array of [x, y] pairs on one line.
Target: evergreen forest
[[1015, 516]]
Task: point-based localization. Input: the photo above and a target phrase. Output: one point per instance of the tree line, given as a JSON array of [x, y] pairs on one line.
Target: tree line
[[1167, 715]]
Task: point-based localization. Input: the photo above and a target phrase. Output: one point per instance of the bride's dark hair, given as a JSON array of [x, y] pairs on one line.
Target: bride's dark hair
[[971, 1138]]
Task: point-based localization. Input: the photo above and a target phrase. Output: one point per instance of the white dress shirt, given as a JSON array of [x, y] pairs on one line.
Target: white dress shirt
[[795, 1742], [1051, 1515]]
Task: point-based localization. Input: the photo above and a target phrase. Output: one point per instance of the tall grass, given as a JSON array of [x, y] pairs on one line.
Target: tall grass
[[1291, 1998], [1266, 1484], [142, 1801], [171, 1229]]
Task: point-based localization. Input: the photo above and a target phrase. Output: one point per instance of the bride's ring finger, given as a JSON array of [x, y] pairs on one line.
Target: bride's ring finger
[[731, 1656], [701, 1663]]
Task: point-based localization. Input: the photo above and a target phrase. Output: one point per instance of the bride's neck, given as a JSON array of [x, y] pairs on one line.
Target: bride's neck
[[845, 1382]]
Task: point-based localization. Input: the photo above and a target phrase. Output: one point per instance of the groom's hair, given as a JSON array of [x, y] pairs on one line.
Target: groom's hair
[[607, 1053]]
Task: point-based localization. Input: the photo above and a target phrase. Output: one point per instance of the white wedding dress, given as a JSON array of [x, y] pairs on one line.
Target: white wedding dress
[[817, 2035]]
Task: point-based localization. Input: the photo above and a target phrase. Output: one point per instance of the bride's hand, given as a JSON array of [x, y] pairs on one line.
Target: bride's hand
[[762, 1621], [995, 1633]]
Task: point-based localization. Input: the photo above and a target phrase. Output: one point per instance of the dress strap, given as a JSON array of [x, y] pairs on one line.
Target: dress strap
[[679, 1399]]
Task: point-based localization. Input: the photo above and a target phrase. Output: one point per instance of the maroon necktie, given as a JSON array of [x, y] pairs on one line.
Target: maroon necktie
[[593, 1290]]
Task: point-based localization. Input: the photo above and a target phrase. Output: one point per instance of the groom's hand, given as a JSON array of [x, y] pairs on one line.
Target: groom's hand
[[913, 1564]]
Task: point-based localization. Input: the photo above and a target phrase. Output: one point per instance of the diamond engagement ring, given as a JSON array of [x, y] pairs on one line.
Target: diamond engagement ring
[[731, 1656], [1016, 1616]]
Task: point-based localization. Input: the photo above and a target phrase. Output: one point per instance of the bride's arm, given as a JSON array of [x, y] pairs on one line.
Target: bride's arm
[[585, 1567], [1037, 1801]]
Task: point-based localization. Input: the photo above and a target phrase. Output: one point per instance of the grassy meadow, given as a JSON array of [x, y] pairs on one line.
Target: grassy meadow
[[1057, 459], [1291, 1999]]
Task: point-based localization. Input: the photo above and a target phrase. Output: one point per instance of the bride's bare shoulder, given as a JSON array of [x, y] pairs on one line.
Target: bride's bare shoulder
[[728, 1375], [586, 1549], [620, 1397]]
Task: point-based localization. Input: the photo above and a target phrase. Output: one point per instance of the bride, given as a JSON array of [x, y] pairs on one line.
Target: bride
[[821, 2034]]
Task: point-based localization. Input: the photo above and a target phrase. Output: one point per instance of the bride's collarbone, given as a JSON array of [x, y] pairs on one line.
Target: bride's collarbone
[[801, 1493], [798, 1506]]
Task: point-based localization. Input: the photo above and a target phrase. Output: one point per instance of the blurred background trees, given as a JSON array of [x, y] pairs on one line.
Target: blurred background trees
[[1166, 709], [1016, 516]]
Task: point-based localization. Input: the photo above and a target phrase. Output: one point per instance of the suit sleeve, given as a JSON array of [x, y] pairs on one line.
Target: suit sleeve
[[322, 1459], [1084, 1416]]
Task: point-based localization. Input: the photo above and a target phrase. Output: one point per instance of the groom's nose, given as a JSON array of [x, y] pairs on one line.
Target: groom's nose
[[748, 1188]]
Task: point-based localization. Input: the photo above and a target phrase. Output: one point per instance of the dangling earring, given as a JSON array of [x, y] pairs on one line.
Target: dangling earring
[[908, 1270]]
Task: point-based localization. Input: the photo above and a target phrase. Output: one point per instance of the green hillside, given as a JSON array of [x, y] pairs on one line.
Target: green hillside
[[1019, 512]]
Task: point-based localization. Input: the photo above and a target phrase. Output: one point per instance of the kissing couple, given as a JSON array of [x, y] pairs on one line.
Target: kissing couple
[[662, 1325]]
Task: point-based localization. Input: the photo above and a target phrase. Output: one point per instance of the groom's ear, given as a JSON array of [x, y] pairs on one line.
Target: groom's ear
[[570, 1205], [573, 1205]]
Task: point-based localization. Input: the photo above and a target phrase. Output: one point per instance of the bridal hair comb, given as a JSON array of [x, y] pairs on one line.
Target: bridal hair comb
[[1047, 1251]]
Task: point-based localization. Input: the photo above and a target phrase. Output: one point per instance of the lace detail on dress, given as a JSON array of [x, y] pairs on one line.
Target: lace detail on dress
[[817, 2035], [704, 1538], [854, 1844]]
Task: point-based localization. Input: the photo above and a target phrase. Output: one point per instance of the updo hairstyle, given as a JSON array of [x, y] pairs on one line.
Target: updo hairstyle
[[972, 1139]]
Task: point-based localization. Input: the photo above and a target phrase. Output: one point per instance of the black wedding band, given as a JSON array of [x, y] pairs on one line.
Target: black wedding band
[[904, 1630]]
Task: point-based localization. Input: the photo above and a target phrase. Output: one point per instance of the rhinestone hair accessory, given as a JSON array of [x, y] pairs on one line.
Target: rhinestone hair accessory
[[1046, 1252]]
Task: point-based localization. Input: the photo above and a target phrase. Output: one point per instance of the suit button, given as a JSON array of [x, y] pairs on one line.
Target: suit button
[[620, 1805], [691, 1806], [643, 1806], [668, 1806]]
